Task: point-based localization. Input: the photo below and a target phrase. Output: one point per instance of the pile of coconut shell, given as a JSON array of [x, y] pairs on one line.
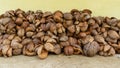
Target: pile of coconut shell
[[40, 33]]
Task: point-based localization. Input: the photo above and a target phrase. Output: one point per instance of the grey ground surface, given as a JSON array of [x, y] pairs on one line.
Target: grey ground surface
[[60, 61]]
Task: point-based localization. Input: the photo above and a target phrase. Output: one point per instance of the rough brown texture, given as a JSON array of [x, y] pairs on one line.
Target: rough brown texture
[[41, 33], [91, 48]]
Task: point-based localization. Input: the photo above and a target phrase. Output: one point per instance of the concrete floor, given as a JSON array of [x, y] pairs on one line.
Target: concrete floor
[[60, 61]]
